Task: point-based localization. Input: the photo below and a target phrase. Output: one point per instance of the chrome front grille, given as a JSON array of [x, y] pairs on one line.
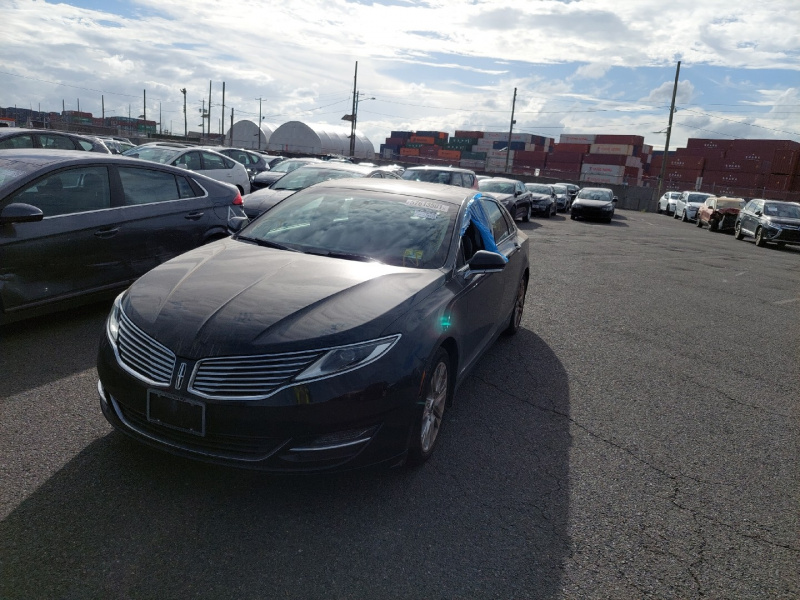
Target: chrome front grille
[[248, 377], [142, 355]]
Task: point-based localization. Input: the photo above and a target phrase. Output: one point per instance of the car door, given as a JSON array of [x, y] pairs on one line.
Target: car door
[[749, 217], [72, 250], [163, 216]]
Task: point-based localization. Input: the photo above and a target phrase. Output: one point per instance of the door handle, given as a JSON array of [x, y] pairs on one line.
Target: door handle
[[194, 216], [107, 233]]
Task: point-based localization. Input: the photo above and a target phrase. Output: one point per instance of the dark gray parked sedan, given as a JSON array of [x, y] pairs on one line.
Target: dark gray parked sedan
[[79, 226], [16, 138]]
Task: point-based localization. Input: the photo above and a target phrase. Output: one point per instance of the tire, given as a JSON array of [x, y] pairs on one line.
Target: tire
[[573, 217], [737, 231], [658, 210], [699, 223], [519, 306], [713, 226], [684, 218], [527, 216], [548, 213], [760, 241], [429, 417]]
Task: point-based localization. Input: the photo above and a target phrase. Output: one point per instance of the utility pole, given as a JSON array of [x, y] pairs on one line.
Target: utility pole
[[353, 121], [144, 107], [103, 108], [231, 129], [222, 114], [160, 128], [209, 108], [510, 130], [203, 119], [259, 123], [669, 131], [185, 126]]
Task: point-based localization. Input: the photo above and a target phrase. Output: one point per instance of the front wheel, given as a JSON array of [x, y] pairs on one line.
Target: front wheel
[[760, 241], [713, 225], [737, 231], [527, 216], [699, 223], [435, 398]]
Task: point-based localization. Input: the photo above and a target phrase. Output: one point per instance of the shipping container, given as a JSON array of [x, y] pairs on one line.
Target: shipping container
[[530, 155], [467, 141], [481, 156], [395, 141], [708, 144], [726, 164], [764, 145], [734, 178], [501, 154], [422, 139], [626, 150], [596, 178], [576, 158], [785, 162], [619, 140], [685, 175], [609, 170], [450, 154], [612, 159], [764, 155], [494, 136], [558, 173], [460, 133], [679, 162], [580, 148], [406, 151], [778, 182], [437, 135], [530, 163], [576, 138], [468, 163], [704, 152], [500, 145], [401, 134]]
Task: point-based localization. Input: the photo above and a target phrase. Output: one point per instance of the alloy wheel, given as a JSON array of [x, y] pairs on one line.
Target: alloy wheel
[[435, 401]]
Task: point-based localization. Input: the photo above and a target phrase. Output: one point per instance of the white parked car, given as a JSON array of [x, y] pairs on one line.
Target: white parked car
[[687, 205], [207, 162], [666, 204]]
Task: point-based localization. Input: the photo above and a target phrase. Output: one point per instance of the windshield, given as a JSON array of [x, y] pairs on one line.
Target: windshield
[[288, 165], [590, 194], [698, 198], [303, 177], [429, 175], [785, 210], [11, 170], [157, 154], [559, 189], [500, 187], [538, 188], [403, 231]]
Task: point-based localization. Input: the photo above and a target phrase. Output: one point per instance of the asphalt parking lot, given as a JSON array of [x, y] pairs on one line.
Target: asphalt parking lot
[[637, 439]]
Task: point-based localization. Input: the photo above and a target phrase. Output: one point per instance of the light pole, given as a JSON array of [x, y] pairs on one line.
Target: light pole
[[185, 126], [353, 120], [259, 122]]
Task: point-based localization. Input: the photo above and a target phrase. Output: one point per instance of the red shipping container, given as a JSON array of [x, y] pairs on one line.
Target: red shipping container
[[632, 173], [778, 182], [727, 164], [560, 174], [785, 161], [575, 158], [734, 178], [794, 184], [450, 154], [753, 154], [468, 134], [606, 159], [684, 175], [678, 162], [626, 140], [395, 141], [539, 155], [582, 148], [704, 152], [707, 144], [409, 151], [764, 145], [422, 139]]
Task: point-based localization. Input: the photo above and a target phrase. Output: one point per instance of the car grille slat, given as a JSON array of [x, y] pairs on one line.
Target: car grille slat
[[233, 378], [142, 355]]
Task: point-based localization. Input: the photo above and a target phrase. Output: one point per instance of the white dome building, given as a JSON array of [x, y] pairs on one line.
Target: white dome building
[[247, 134], [309, 138]]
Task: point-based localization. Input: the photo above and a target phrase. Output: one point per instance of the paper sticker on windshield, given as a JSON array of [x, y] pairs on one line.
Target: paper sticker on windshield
[[428, 204], [412, 257], [425, 214]]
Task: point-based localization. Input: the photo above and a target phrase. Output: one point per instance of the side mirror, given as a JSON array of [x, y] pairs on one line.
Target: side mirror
[[758, 213], [614, 199], [484, 261], [20, 213], [236, 224]]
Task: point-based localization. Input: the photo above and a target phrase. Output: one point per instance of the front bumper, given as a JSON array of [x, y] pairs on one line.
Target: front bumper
[[540, 209], [590, 212], [354, 420], [784, 234]]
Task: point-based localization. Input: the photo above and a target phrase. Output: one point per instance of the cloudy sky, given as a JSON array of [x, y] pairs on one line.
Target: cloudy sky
[[579, 66]]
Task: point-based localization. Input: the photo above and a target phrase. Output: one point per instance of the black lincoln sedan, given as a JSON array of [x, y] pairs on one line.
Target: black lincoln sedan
[[330, 333], [594, 203], [511, 193], [76, 227]]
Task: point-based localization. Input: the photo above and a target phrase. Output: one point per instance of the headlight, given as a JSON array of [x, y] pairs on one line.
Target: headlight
[[112, 323], [608, 207], [772, 225], [347, 358]]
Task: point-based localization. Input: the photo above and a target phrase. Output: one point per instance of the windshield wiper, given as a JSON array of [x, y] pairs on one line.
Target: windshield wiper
[[265, 243], [345, 255]]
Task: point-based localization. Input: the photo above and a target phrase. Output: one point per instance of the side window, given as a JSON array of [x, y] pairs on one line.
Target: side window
[[185, 188], [53, 141], [143, 186], [67, 192], [469, 180], [500, 227], [18, 141], [251, 158], [191, 160], [215, 161], [377, 175], [455, 179], [85, 145]]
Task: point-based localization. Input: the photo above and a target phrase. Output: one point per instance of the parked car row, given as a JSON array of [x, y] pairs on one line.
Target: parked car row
[[766, 221]]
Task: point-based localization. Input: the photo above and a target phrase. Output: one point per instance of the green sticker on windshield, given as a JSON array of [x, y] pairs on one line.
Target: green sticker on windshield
[[412, 257]]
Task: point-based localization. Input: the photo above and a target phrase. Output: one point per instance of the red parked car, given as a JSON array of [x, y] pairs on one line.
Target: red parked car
[[719, 213]]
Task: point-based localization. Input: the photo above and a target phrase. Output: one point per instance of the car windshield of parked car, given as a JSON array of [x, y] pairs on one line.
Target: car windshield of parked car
[[288, 165], [538, 188], [698, 198], [157, 154], [393, 229], [304, 177], [429, 175], [788, 211], [13, 169], [559, 189], [500, 187], [594, 195]]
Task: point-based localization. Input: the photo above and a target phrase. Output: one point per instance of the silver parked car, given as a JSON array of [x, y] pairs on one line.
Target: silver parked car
[[687, 205]]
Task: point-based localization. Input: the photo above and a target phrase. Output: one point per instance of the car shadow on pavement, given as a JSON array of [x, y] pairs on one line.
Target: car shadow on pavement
[[70, 340], [486, 516]]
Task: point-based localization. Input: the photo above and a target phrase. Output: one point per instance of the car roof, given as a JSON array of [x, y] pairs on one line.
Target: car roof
[[339, 166], [500, 179], [435, 168], [8, 131]]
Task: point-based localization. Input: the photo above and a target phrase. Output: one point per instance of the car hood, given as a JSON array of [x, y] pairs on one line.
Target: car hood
[[588, 202], [500, 197], [265, 199], [231, 298], [783, 221], [536, 197]]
